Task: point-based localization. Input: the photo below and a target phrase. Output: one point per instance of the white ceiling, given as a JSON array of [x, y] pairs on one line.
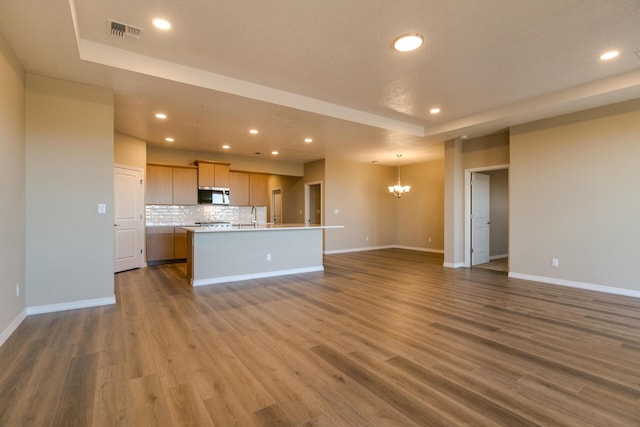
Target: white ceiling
[[326, 70]]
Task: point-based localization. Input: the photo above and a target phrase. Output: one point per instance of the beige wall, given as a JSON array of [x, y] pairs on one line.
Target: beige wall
[[129, 151], [488, 151], [574, 195], [365, 207], [12, 190], [420, 213], [69, 171], [453, 204], [261, 163]]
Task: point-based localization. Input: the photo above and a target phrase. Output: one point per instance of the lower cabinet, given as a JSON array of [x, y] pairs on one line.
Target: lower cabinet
[[166, 244], [180, 243]]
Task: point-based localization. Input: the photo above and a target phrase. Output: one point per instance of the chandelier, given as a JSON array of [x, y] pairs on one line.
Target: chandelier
[[398, 190]]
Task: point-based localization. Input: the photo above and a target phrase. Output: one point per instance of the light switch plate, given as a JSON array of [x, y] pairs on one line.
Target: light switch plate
[[102, 208]]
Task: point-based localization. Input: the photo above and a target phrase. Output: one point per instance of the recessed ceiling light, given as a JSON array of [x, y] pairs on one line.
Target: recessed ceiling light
[[274, 153], [169, 139], [609, 55], [434, 110], [161, 116], [253, 131], [308, 140], [226, 147], [162, 24], [408, 42]]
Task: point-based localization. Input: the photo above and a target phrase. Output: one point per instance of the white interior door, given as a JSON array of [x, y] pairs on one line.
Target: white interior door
[[480, 221], [128, 219], [276, 206]]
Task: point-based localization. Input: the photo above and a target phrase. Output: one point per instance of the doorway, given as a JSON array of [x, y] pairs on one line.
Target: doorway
[[276, 206], [313, 203], [486, 228], [128, 218]]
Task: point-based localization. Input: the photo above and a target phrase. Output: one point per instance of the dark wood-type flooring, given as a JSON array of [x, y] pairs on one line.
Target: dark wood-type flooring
[[380, 338]]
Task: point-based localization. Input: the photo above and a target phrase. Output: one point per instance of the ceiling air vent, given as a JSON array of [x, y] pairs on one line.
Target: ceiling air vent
[[123, 31]]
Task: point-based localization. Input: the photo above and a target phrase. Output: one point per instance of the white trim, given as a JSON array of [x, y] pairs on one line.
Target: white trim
[[453, 264], [580, 285], [237, 278], [415, 248], [52, 308], [375, 248], [10, 329], [366, 248], [501, 256]]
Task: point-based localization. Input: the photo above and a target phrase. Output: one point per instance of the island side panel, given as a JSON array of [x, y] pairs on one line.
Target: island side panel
[[229, 256]]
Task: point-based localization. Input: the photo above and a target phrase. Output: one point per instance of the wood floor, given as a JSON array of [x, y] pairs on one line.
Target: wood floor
[[380, 338]]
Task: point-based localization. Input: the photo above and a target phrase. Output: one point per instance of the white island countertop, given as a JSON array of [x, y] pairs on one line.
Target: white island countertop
[[260, 227]]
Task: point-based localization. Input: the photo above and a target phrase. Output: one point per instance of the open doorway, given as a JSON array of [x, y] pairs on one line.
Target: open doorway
[[276, 206], [487, 217], [313, 203]]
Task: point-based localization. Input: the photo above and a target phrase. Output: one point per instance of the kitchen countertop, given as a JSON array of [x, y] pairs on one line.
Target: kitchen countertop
[[260, 227]]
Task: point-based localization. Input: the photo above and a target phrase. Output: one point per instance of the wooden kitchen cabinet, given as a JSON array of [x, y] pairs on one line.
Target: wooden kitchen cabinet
[[239, 188], [185, 186], [258, 189], [160, 244], [212, 174], [180, 243], [171, 185], [159, 185]]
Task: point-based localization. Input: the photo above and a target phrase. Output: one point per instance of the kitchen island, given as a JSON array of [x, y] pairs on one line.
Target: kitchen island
[[218, 255]]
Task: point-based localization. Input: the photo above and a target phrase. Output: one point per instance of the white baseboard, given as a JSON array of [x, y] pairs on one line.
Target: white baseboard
[[366, 248], [453, 264], [12, 327], [237, 278], [492, 257], [580, 285], [375, 248], [415, 248], [52, 308]]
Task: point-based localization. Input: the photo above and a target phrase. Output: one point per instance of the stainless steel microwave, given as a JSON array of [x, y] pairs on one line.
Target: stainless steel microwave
[[213, 196]]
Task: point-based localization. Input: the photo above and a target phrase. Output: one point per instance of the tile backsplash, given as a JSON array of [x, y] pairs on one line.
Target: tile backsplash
[[177, 215]]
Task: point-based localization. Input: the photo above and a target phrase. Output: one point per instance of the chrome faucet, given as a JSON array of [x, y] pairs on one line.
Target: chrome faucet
[[254, 213]]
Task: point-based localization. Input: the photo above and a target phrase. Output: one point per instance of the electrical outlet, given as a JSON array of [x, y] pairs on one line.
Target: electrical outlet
[[429, 239], [17, 289], [366, 238], [554, 262], [268, 257]]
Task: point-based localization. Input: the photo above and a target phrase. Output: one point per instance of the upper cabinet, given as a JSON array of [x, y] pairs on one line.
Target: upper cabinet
[[185, 186], [159, 185], [212, 174], [178, 185], [171, 185], [258, 189], [239, 188], [248, 188]]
